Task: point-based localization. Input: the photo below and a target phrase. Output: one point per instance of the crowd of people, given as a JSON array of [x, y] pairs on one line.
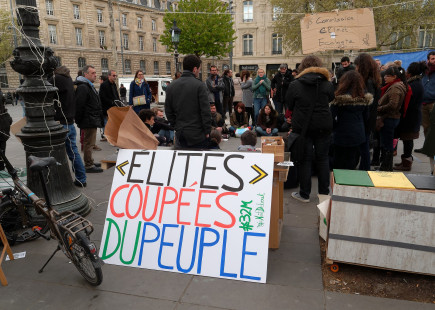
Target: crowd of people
[[339, 117]]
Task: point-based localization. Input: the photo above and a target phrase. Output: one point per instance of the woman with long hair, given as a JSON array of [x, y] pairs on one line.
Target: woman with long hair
[[369, 70], [309, 97], [389, 105], [247, 94], [410, 119], [139, 87], [349, 114], [239, 118], [266, 122]]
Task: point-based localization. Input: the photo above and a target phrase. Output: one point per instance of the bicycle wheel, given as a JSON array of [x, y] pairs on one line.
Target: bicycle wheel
[[81, 258], [11, 221]]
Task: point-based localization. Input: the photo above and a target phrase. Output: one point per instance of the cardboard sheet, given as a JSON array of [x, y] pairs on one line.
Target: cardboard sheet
[[338, 30], [390, 179], [126, 130], [16, 127], [352, 177], [422, 181]]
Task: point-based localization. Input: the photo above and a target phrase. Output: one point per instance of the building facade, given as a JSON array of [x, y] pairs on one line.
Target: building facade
[[119, 35]]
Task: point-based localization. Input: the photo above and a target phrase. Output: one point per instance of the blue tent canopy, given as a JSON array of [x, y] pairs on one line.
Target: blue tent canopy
[[406, 58]]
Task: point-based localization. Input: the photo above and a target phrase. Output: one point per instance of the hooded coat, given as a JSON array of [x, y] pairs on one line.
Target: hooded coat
[[311, 86], [391, 102], [349, 117]]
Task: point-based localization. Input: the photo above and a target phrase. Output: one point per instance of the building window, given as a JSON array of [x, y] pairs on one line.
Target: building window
[[142, 66], [49, 7], [156, 67], [157, 4], [277, 11], [153, 25], [400, 41], [124, 20], [139, 23], [3, 76], [276, 44], [79, 38], [248, 11], [76, 11], [81, 62], [125, 40], [127, 66], [104, 66], [102, 37], [426, 37], [168, 67], [141, 43], [154, 44], [52, 34], [99, 15], [248, 43]]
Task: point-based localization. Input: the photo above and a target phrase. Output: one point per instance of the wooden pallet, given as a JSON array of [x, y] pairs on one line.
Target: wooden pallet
[[6, 249], [109, 161]]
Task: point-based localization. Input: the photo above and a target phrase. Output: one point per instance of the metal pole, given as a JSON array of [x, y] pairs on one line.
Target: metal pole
[[176, 59], [230, 3], [15, 32], [122, 44]]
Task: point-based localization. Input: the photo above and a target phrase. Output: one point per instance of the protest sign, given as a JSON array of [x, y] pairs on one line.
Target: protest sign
[[338, 30], [202, 213]]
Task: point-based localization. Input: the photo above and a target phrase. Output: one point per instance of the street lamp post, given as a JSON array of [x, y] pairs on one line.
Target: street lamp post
[[175, 37]]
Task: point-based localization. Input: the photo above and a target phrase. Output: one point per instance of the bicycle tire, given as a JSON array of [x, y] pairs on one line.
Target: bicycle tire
[[82, 260], [10, 219]]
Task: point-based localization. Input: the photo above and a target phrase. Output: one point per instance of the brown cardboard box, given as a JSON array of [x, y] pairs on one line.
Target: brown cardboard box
[[274, 145]]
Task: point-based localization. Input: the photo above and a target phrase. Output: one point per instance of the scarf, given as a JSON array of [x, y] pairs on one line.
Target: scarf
[[261, 89], [384, 89], [430, 70], [138, 81], [85, 80]]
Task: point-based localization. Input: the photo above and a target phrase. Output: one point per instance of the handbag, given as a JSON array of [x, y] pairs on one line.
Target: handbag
[[139, 100]]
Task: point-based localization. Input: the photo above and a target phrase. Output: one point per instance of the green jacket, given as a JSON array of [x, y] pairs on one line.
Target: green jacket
[[256, 87]]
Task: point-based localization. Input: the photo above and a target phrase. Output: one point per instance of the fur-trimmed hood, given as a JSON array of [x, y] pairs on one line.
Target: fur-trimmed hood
[[312, 75], [347, 100]]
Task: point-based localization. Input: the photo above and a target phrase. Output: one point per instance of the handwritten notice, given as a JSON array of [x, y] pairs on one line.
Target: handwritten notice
[[202, 213], [340, 30]]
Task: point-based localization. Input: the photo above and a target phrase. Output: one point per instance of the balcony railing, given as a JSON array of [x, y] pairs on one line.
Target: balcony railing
[[276, 52], [248, 53]]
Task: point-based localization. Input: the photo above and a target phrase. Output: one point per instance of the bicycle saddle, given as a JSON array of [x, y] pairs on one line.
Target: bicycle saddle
[[39, 163]]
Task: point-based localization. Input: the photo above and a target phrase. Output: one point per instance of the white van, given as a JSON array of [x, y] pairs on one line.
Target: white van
[[157, 85]]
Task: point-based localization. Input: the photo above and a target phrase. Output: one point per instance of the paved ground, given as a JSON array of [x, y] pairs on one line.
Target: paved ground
[[294, 273]]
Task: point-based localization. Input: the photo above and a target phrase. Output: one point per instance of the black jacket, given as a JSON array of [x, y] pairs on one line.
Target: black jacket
[[371, 88], [341, 71], [187, 108], [108, 94], [281, 82], [89, 113], [229, 86], [409, 125], [5, 121], [311, 87], [66, 112]]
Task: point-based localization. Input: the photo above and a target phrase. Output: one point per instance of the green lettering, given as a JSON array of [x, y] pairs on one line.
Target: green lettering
[[105, 256], [135, 244]]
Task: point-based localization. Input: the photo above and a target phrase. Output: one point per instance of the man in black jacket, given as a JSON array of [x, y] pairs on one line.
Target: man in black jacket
[[108, 94], [89, 114], [65, 113], [187, 106], [280, 83], [228, 93]]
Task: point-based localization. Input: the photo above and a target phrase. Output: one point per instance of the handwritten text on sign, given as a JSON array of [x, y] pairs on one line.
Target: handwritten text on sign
[[351, 29], [204, 213]]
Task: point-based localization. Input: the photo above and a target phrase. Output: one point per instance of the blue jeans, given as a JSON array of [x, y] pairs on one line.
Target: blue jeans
[[262, 132], [387, 133], [73, 153], [321, 149], [168, 134], [259, 103]]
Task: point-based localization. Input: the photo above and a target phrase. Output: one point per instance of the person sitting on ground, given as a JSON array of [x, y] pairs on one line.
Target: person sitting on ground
[[147, 117], [239, 118], [162, 126], [217, 121], [215, 139], [249, 141], [266, 122]]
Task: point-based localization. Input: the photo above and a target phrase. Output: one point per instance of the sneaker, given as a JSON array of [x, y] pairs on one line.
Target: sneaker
[[297, 196], [418, 150], [97, 148], [94, 170], [97, 165], [79, 184], [103, 139]]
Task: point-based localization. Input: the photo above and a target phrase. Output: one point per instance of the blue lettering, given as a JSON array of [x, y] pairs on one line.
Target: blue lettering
[[224, 249], [147, 241], [162, 244], [202, 244], [244, 252], [192, 262]]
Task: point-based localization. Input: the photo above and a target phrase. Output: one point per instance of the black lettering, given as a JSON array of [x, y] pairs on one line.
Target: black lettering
[[151, 171], [133, 158], [205, 167], [172, 166], [186, 169], [226, 187]]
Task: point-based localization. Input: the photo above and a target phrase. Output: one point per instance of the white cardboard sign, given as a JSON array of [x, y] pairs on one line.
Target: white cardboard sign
[[202, 213]]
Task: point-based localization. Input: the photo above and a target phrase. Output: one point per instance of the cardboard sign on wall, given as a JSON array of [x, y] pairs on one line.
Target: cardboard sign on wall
[[338, 30]]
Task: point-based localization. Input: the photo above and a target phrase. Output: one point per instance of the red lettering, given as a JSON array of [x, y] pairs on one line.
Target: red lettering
[[112, 209], [180, 203], [233, 218], [200, 205], [127, 203], [164, 202], [145, 202]]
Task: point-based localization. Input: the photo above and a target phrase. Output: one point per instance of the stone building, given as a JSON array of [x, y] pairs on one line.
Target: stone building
[[107, 34]]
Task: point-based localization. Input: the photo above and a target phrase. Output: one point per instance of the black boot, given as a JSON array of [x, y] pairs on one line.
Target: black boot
[[376, 154], [387, 163]]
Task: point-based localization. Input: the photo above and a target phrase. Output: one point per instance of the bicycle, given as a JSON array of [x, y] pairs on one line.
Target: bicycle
[[70, 230]]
